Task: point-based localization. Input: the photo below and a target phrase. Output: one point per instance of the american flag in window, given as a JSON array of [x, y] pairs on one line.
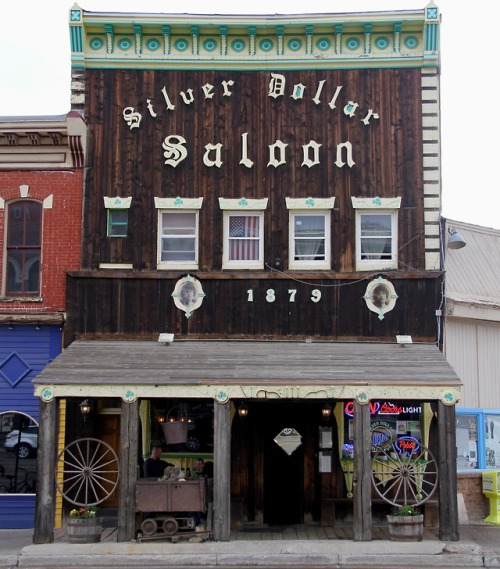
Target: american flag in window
[[244, 235]]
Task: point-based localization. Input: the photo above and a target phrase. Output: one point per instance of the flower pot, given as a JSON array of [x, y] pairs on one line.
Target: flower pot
[[406, 528], [84, 530]]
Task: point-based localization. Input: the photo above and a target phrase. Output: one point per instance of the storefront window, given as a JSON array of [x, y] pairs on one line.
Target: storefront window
[[478, 439], [389, 422], [467, 451], [18, 448], [492, 440]]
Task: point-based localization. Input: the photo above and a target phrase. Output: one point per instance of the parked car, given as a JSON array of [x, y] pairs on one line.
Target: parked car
[[27, 445]]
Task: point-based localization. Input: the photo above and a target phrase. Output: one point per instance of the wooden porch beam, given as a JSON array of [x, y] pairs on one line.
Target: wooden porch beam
[[46, 467], [129, 429], [362, 524], [222, 471], [447, 482]]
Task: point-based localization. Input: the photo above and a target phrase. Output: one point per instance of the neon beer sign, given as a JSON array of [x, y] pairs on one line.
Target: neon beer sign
[[383, 408], [407, 446]]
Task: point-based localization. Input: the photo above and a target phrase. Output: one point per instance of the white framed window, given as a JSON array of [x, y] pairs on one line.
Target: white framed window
[[243, 233], [178, 233], [309, 233], [178, 237], [376, 235]]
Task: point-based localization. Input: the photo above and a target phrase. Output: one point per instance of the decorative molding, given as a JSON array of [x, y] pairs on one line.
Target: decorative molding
[[301, 41], [376, 203], [243, 204], [310, 203], [178, 203], [224, 393], [42, 143], [117, 202], [48, 202]]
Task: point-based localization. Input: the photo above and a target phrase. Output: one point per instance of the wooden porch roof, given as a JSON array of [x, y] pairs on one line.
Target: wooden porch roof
[[92, 364]]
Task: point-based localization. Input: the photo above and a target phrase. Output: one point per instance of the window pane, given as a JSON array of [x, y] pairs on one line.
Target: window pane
[[312, 226], [244, 226], [23, 271], [179, 223], [178, 249], [179, 241], [118, 222], [492, 431], [244, 237], [376, 236], [19, 434], [309, 235], [467, 441], [33, 227], [23, 248], [24, 224]]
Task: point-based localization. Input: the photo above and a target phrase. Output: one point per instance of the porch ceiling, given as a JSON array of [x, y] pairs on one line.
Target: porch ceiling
[[231, 369]]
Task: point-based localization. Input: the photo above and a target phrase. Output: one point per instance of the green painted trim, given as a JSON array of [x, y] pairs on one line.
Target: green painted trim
[[261, 65], [352, 38]]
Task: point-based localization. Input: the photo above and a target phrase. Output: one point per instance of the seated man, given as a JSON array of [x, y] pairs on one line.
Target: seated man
[[154, 466]]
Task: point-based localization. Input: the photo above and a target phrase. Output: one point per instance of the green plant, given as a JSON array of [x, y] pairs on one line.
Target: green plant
[[83, 513], [406, 510]]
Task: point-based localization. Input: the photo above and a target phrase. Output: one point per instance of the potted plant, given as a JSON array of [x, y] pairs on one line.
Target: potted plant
[[406, 523], [84, 526]]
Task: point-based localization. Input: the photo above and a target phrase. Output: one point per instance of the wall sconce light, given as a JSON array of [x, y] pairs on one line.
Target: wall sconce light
[[326, 411], [11, 326], [38, 327], [243, 410], [160, 417], [85, 408], [456, 240]]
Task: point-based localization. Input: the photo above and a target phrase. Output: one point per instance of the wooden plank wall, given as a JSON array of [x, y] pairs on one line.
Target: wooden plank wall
[[143, 307], [130, 162]]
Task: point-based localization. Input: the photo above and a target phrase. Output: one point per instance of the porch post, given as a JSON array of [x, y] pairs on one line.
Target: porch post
[[45, 500], [362, 523], [129, 432], [447, 482], [222, 471]]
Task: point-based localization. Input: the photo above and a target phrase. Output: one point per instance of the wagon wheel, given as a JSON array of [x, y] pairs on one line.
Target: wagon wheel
[[404, 472], [170, 526], [87, 472]]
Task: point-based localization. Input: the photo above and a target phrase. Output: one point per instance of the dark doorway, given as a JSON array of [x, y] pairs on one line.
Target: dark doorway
[[283, 473]]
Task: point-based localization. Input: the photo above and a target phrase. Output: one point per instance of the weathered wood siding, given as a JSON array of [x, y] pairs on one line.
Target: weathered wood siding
[[144, 307], [130, 162]]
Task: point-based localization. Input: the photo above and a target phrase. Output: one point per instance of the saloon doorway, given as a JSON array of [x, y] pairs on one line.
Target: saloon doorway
[[277, 443]]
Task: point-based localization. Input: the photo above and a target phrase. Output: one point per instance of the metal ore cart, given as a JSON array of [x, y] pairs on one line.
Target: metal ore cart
[[169, 505]]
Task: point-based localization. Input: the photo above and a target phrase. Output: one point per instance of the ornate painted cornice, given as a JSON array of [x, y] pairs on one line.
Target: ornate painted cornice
[[405, 38], [42, 142]]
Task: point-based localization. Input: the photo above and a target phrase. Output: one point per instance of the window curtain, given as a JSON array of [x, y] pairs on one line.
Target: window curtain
[[244, 238]]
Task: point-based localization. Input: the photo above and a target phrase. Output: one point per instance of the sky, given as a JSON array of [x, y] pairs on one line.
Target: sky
[[35, 77]]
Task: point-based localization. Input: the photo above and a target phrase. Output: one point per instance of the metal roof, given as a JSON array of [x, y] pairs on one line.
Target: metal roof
[[228, 369], [473, 273]]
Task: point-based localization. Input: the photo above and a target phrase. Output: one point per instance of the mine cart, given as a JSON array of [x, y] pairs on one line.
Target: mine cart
[[170, 506]]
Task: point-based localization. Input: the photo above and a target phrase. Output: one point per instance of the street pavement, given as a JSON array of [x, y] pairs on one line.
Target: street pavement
[[479, 546]]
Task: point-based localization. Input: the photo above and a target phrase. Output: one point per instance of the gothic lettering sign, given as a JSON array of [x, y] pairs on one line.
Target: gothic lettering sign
[[175, 144]]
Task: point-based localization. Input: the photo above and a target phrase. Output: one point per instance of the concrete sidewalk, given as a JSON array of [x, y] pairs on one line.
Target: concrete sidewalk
[[479, 546]]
